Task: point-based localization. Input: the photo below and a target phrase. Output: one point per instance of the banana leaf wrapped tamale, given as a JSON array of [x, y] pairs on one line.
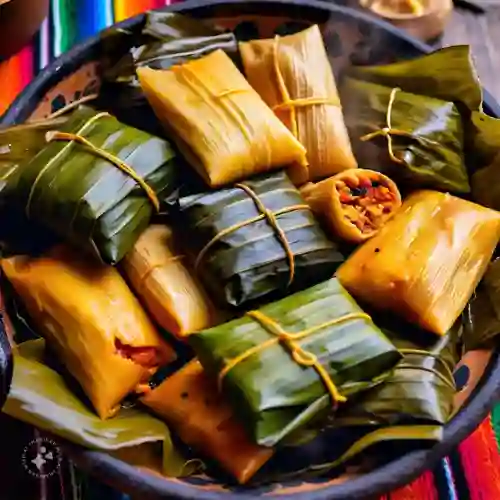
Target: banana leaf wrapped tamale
[[482, 327], [256, 240], [416, 140], [189, 402], [425, 263], [294, 77], [41, 397], [354, 204], [287, 362], [167, 38], [220, 124], [93, 322], [168, 288], [96, 184]]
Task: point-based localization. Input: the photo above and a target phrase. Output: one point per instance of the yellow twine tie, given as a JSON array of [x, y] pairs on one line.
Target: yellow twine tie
[[388, 131], [288, 102], [289, 341], [127, 169], [265, 214], [152, 269]]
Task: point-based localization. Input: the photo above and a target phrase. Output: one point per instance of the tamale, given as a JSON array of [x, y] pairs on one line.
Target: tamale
[[293, 76], [167, 38], [96, 184], [257, 240], [482, 327], [289, 361], [189, 402], [160, 277], [92, 321], [354, 204], [41, 397], [218, 121], [416, 140], [425, 263]]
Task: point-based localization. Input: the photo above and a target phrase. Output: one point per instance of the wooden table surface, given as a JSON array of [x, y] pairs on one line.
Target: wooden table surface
[[482, 33]]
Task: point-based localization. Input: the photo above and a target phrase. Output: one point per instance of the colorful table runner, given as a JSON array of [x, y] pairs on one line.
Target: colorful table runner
[[472, 471]]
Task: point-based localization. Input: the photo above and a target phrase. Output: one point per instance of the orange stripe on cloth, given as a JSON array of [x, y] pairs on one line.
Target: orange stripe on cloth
[[481, 463], [422, 488], [15, 74], [128, 8]]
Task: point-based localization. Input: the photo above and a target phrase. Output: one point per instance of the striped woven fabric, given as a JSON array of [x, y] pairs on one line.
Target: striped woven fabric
[[472, 471]]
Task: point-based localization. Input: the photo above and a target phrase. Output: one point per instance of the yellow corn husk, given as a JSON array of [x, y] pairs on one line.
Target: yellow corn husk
[[362, 215], [91, 319], [171, 293], [303, 64], [218, 121], [190, 403], [426, 262]]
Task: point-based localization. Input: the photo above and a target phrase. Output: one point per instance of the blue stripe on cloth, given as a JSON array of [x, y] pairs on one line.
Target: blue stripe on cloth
[[93, 16]]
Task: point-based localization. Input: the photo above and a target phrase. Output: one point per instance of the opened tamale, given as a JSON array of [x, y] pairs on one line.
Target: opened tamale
[[218, 121], [354, 204], [96, 183], [160, 276], [167, 38], [41, 397], [257, 240], [425, 263], [294, 77], [189, 402], [93, 322], [415, 139], [285, 363]]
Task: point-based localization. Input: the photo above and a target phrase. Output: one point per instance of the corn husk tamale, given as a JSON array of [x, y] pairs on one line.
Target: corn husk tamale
[[87, 199], [201, 104], [482, 327], [189, 402], [243, 255], [41, 397], [93, 322], [355, 204], [167, 38], [425, 263], [271, 390], [416, 140], [161, 278], [294, 77]]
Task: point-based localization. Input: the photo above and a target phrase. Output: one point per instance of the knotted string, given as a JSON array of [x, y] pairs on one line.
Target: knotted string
[[288, 102], [264, 214], [152, 269], [388, 132], [289, 341], [449, 380], [77, 137]]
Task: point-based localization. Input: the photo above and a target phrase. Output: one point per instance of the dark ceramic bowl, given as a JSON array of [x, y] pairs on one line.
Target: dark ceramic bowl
[[351, 38]]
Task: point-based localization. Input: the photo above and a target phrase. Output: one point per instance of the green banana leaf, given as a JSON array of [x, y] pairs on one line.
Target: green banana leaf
[[483, 312], [274, 395], [250, 264], [39, 396], [485, 185], [86, 199], [448, 74], [421, 389], [167, 39], [430, 150], [20, 143]]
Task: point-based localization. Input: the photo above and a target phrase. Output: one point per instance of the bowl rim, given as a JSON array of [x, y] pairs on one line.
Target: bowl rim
[[385, 478]]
